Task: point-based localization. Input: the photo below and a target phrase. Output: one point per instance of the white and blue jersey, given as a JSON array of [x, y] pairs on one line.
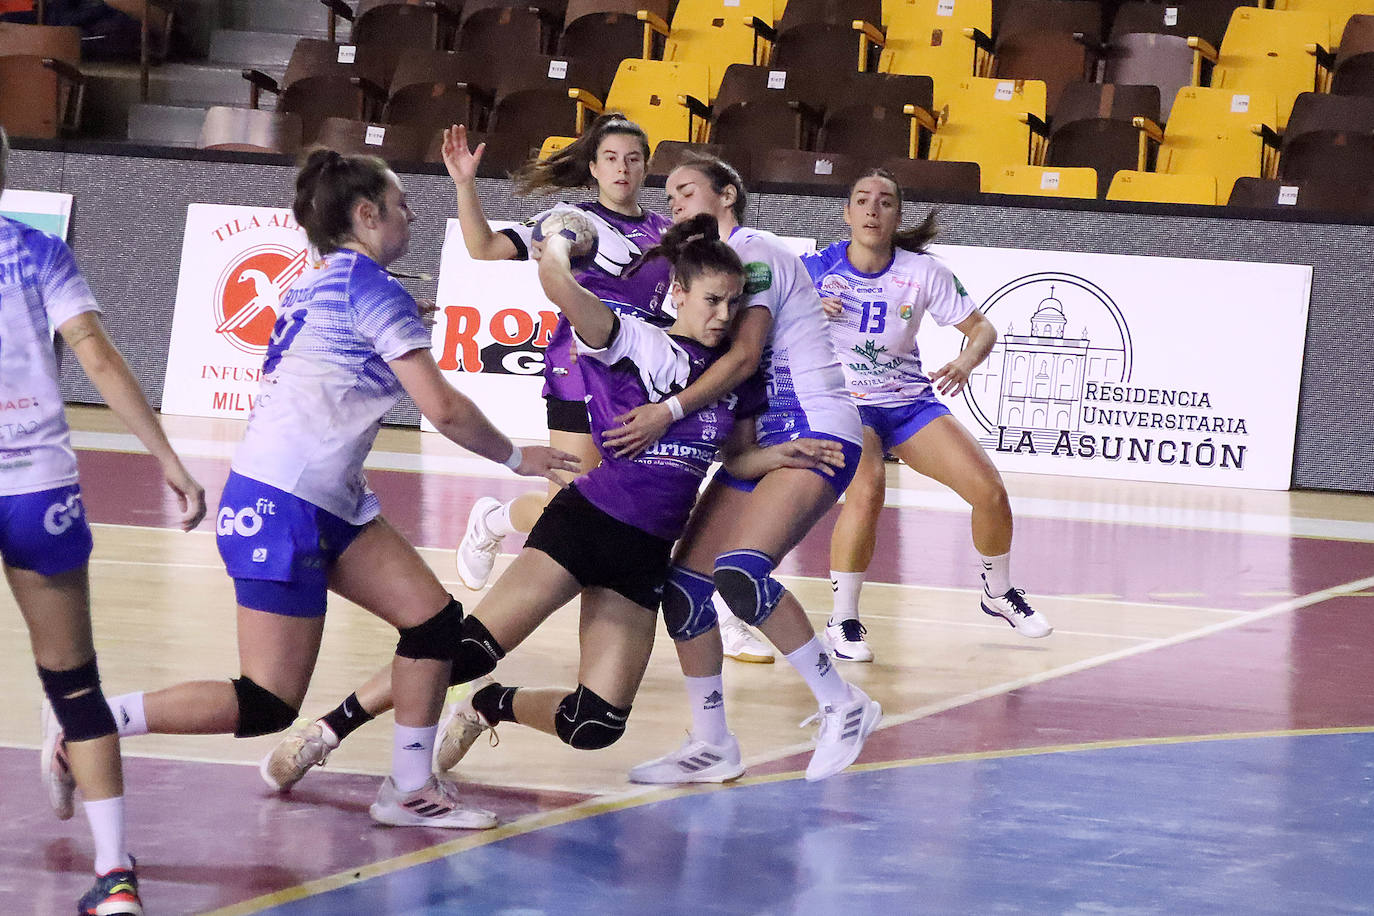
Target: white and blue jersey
[[40, 289], [875, 338], [805, 385], [326, 384]]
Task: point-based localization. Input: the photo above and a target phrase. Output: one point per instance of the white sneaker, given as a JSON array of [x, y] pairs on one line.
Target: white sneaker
[[435, 804], [741, 644], [295, 754], [841, 735], [1012, 608], [459, 728], [847, 641], [695, 761], [54, 766], [476, 553]]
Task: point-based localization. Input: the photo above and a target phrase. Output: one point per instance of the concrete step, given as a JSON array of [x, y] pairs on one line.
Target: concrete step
[[303, 18], [203, 85], [243, 48], [165, 125]]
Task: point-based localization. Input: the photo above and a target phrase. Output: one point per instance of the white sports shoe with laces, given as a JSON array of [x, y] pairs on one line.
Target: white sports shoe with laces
[[476, 554], [847, 641], [55, 769], [459, 728], [843, 729], [1012, 608], [695, 761], [435, 804], [295, 754], [740, 643]]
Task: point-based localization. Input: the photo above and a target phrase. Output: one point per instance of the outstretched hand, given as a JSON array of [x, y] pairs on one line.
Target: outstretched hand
[[638, 429], [543, 461], [459, 159]]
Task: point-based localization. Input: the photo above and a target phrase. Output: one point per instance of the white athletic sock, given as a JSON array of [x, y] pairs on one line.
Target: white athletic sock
[[846, 586], [128, 714], [997, 574], [412, 750], [818, 669], [498, 521], [106, 818], [707, 696]]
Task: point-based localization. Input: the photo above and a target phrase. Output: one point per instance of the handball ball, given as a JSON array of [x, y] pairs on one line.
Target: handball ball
[[573, 225]]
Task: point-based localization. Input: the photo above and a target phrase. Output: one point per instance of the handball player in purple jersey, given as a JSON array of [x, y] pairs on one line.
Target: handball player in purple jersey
[[608, 536], [611, 156]]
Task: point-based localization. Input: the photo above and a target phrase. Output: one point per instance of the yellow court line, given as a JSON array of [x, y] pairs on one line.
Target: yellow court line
[[596, 807]]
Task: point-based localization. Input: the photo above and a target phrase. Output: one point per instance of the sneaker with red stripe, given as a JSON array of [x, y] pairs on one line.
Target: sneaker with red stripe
[[115, 894], [435, 804]]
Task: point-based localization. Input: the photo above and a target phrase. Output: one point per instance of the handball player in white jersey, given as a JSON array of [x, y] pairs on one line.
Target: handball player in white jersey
[[297, 518], [45, 540], [741, 529], [611, 156], [876, 287]]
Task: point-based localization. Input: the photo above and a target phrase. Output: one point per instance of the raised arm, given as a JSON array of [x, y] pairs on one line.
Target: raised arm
[[982, 336], [482, 243], [85, 336], [591, 318], [644, 425], [461, 421]]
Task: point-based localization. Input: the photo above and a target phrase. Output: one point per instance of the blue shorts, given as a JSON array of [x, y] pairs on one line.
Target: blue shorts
[[840, 482], [46, 531], [898, 423], [278, 548]]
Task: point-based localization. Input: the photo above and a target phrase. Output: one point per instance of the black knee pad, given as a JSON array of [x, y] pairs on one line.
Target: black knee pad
[[688, 610], [587, 722], [261, 712], [77, 702], [436, 638], [745, 580], [478, 652]]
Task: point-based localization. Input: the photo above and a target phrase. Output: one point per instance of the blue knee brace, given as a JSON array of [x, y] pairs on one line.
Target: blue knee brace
[[687, 607], [744, 579]]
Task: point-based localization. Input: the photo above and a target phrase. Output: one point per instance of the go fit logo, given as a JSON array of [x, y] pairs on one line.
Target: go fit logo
[[244, 522]]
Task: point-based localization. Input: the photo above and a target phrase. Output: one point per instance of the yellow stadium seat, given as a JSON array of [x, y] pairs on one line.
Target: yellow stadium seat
[[1215, 132], [1159, 188], [928, 38], [715, 33], [666, 99], [1042, 181], [552, 145], [1280, 52], [984, 121], [1339, 11]]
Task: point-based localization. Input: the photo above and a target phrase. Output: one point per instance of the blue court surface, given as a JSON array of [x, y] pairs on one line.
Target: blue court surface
[[1266, 824]]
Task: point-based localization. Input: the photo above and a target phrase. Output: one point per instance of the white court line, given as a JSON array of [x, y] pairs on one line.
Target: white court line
[[937, 500], [1317, 597]]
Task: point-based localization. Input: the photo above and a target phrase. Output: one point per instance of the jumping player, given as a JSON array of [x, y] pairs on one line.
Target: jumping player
[[297, 518], [876, 287], [45, 540]]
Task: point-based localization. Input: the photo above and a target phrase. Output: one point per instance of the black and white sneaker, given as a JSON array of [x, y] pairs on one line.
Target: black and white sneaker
[[1012, 608], [847, 641]]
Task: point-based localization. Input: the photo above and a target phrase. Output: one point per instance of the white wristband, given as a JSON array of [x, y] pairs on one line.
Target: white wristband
[[515, 458], [674, 407]]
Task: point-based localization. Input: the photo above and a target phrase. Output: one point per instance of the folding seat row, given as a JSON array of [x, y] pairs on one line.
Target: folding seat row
[[41, 83]]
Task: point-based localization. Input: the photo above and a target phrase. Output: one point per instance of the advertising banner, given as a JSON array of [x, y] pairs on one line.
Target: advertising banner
[[43, 210]]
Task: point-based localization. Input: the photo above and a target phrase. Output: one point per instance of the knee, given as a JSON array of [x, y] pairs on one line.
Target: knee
[[867, 492], [744, 579], [261, 712], [990, 495], [587, 722], [688, 610], [437, 638], [477, 654], [77, 701]]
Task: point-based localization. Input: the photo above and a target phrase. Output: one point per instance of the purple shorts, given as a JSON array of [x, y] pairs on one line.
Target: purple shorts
[[278, 548], [46, 531], [840, 482], [898, 423]]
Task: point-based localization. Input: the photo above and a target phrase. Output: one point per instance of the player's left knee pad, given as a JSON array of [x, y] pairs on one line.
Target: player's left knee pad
[[435, 639], [261, 712], [744, 579], [478, 652], [687, 607], [587, 722], [78, 702]]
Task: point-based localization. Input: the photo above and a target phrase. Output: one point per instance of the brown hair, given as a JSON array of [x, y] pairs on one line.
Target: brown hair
[[910, 238], [328, 186], [694, 247], [721, 175], [570, 167]]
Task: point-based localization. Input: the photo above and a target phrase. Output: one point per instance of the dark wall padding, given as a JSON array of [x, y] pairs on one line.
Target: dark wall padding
[[130, 211]]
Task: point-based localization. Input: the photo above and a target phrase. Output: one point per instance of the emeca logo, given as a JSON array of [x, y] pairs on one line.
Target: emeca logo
[[60, 516], [244, 522], [249, 292]]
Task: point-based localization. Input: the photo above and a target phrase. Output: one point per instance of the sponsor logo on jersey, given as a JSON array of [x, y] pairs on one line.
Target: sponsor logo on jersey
[[758, 277], [905, 311], [245, 522]]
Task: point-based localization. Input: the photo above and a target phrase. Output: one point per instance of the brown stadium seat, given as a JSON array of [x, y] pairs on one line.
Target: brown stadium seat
[[1093, 127], [1354, 70], [1205, 19], [155, 29], [433, 89], [407, 23], [794, 166], [1316, 193], [877, 115], [1339, 155], [762, 107], [610, 30], [1053, 41], [41, 84], [1322, 111], [825, 36], [926, 175], [506, 28], [393, 142], [1163, 61], [248, 130], [531, 100], [672, 153], [327, 80]]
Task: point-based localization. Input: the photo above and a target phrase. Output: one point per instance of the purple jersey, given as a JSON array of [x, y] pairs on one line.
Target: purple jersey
[[621, 240], [644, 364]]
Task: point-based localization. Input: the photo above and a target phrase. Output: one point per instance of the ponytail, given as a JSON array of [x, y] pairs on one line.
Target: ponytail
[[694, 247], [571, 167], [328, 186]]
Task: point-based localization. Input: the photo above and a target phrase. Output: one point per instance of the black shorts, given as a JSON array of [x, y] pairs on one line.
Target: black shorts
[[601, 551], [567, 416]]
